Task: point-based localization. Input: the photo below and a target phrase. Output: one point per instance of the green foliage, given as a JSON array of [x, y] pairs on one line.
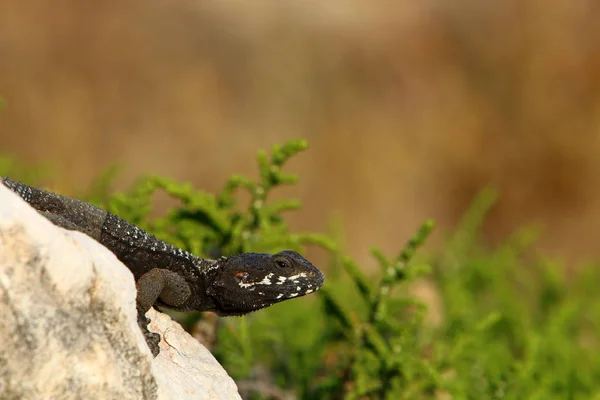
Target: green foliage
[[515, 326], [375, 340], [209, 224], [507, 322], [9, 166]]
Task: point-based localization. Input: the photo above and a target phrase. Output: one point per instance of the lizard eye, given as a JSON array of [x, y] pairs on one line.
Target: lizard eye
[[282, 263]]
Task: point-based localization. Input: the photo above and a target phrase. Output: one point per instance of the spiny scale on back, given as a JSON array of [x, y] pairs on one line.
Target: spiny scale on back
[[132, 243]]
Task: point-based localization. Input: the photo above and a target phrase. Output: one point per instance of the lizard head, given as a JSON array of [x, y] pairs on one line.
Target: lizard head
[[251, 281]]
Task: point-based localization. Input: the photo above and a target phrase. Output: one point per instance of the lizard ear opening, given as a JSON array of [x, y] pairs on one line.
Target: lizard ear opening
[[241, 276], [244, 283]]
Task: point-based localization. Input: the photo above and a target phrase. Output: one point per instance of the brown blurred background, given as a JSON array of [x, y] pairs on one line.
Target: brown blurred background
[[410, 107]]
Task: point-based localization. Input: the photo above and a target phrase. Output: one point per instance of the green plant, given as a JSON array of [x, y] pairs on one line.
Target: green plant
[[214, 224], [511, 324], [11, 167]]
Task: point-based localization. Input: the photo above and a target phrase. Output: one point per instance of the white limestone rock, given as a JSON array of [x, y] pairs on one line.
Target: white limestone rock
[[68, 325]]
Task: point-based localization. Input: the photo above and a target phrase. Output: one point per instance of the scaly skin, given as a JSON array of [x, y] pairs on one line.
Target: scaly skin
[[173, 278]]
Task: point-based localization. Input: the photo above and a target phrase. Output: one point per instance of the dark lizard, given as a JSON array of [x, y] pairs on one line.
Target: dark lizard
[[169, 277]]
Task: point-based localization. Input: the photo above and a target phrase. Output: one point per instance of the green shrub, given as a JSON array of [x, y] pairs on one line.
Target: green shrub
[[511, 325]]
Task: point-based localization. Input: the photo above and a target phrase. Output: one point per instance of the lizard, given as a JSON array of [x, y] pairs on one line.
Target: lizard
[[169, 277]]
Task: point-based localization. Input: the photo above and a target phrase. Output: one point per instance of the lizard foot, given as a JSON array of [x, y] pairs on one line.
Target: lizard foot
[[152, 339]]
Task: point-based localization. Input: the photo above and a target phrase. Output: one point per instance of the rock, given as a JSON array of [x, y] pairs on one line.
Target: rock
[[68, 325]]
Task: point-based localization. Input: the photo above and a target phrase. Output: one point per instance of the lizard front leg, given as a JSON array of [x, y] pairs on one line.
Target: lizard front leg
[[159, 283], [170, 287]]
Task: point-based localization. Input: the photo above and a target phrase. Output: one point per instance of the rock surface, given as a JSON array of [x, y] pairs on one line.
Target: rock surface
[[68, 326]]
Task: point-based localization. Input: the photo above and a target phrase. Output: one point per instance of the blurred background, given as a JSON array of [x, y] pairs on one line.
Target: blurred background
[[410, 108]]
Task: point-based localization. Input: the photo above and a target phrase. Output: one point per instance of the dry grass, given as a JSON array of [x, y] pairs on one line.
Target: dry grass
[[410, 107]]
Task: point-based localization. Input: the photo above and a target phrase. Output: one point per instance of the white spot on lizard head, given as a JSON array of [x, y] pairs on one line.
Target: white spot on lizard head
[[266, 281]]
